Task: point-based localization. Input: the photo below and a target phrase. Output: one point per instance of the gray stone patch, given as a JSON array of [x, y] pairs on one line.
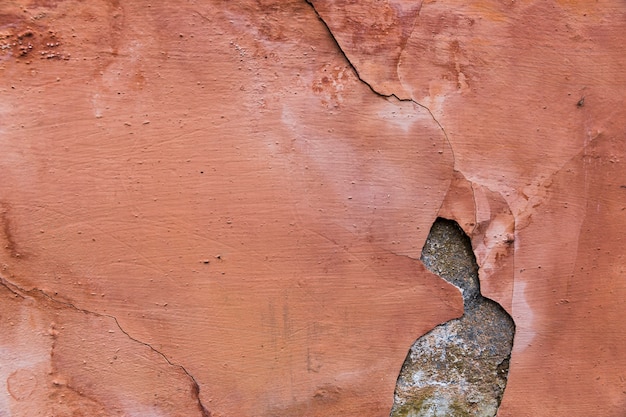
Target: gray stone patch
[[460, 368]]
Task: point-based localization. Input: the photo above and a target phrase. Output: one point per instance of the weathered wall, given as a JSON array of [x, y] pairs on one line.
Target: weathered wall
[[218, 208]]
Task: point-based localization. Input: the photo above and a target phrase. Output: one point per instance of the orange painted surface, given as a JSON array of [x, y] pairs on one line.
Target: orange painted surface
[[204, 211]]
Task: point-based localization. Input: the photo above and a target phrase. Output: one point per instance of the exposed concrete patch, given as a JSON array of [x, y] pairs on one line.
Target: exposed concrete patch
[[460, 368]]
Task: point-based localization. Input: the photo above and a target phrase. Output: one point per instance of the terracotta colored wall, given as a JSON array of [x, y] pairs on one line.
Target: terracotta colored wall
[[218, 208]]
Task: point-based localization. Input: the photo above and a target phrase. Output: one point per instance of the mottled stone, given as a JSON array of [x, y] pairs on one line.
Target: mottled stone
[[460, 368]]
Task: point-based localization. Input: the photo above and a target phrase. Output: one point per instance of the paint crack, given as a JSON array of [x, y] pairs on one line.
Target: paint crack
[[23, 293], [371, 87]]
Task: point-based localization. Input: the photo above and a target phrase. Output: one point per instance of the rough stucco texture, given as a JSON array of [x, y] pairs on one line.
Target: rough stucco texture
[[218, 208]]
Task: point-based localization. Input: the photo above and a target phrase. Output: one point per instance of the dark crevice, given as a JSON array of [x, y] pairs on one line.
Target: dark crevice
[[372, 89], [460, 368], [22, 293]]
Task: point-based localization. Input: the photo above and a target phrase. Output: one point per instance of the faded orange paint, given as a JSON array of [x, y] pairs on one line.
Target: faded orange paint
[[214, 184]]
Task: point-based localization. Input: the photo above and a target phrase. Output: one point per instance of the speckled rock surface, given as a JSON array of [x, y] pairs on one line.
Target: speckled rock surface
[[460, 368], [240, 192]]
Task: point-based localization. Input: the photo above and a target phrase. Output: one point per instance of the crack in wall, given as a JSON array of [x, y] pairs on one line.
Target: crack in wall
[[371, 87], [24, 294], [460, 368]]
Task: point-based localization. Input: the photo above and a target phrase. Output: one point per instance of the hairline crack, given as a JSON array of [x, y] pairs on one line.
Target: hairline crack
[[371, 87], [23, 293]]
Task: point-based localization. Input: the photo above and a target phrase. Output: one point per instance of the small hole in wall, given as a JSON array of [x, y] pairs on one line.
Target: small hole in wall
[[460, 368]]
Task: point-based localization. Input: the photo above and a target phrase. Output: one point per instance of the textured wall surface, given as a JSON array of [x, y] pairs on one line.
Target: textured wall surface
[[217, 208]]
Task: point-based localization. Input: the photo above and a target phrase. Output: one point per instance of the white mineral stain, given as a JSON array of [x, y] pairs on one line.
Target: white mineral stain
[[399, 116], [523, 314], [97, 106], [28, 352]]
